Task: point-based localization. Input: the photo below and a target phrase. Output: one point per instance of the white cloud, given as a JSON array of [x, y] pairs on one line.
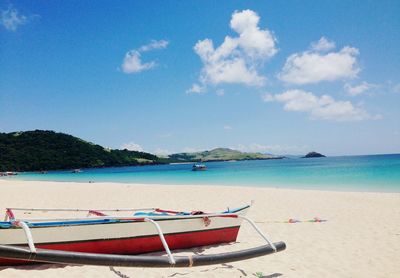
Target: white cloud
[[132, 61], [323, 45], [11, 19], [313, 66], [237, 59], [131, 146], [358, 89], [227, 127], [196, 89], [255, 42], [161, 44], [191, 150], [161, 152], [324, 107]]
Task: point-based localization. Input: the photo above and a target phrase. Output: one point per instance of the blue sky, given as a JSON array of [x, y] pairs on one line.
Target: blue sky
[[283, 77]]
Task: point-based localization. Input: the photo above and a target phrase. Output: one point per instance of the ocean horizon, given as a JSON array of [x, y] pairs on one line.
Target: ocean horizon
[[378, 173]]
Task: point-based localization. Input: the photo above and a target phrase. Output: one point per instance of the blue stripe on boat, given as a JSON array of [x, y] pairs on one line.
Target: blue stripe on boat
[[61, 223], [236, 209], [5, 224], [69, 223]]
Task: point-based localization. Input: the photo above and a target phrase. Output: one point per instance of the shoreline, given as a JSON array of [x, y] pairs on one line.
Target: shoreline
[[340, 247], [267, 186]]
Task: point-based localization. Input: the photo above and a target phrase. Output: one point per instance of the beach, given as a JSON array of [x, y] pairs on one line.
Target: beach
[[360, 238]]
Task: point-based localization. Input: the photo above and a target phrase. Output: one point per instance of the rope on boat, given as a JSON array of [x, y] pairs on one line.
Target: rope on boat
[[76, 209], [294, 220]]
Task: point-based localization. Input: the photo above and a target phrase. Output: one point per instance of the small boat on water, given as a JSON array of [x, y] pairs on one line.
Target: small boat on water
[[8, 174], [101, 239], [199, 167]]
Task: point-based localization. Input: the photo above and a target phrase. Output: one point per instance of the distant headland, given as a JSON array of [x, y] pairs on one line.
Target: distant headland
[[220, 154], [42, 150]]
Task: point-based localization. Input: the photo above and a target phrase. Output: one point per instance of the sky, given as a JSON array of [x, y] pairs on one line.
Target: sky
[[281, 77]]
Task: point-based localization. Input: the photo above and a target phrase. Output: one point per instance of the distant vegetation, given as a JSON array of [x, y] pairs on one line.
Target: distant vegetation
[[313, 154], [47, 150], [219, 154], [42, 150]]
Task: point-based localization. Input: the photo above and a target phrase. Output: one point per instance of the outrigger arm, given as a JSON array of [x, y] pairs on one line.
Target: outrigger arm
[[80, 258]]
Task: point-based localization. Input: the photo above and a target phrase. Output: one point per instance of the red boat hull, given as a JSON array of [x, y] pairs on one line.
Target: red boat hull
[[140, 245]]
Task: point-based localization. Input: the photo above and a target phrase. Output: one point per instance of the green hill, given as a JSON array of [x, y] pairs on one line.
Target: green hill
[[219, 154], [48, 150]]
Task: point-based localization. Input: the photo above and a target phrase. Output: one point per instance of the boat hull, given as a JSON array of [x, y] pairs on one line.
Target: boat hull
[[126, 238]]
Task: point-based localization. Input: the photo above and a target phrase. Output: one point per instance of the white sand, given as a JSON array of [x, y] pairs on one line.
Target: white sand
[[360, 239]]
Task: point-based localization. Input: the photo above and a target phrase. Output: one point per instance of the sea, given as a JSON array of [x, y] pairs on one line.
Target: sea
[[341, 173]]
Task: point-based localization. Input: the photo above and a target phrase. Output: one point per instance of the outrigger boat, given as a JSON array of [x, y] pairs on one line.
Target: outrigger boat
[[100, 239]]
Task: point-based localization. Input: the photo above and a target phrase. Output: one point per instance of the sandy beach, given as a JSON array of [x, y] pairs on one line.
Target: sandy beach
[[361, 237]]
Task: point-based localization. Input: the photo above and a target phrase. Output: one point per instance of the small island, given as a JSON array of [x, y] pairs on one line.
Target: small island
[[313, 154]]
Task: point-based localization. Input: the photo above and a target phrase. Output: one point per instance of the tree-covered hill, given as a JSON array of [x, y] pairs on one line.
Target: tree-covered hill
[[48, 150]]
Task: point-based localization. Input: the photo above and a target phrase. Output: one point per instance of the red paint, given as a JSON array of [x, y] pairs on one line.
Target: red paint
[[97, 213], [10, 214], [141, 245]]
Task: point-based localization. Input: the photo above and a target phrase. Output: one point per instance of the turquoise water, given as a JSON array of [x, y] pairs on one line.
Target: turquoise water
[[354, 173]]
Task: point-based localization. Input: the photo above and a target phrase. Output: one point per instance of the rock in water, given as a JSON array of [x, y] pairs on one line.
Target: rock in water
[[313, 154]]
